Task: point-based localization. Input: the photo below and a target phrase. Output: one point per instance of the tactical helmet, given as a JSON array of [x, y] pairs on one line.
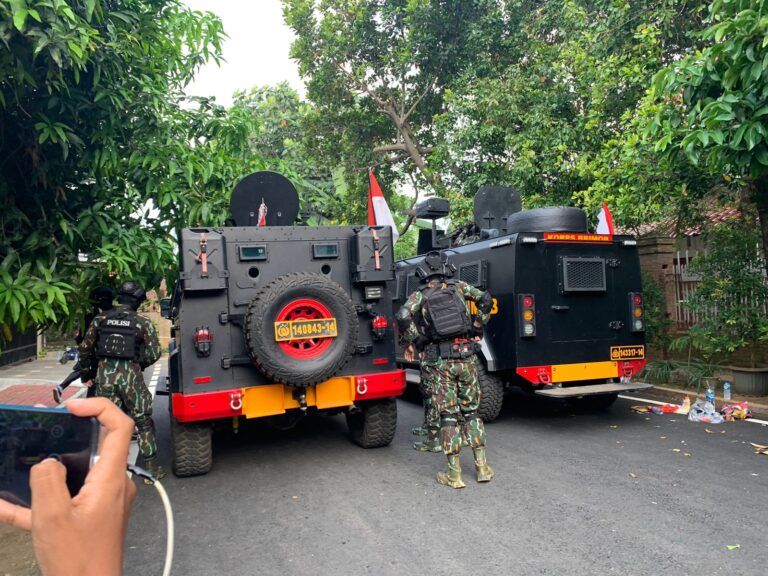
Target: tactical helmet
[[102, 296], [132, 289], [435, 264]]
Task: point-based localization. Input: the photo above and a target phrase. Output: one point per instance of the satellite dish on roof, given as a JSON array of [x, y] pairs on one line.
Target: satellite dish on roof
[[275, 190], [493, 205]]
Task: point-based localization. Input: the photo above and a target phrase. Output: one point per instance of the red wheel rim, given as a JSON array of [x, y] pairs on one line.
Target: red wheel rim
[[305, 309]]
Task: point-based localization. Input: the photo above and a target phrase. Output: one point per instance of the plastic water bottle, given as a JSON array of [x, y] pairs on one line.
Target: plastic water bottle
[[710, 395], [727, 391]]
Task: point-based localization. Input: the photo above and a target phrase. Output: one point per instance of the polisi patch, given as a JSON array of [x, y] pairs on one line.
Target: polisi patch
[[113, 322]]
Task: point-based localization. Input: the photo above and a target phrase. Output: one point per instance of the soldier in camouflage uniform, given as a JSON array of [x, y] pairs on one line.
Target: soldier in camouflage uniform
[[449, 364], [117, 347]]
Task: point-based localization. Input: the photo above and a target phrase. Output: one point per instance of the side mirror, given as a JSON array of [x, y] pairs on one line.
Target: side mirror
[[165, 307]]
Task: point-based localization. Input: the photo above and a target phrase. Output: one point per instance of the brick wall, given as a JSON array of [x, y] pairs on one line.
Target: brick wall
[[657, 260]]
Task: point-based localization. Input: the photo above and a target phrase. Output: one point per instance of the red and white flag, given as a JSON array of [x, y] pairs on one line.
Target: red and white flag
[[378, 210], [605, 221], [262, 220]]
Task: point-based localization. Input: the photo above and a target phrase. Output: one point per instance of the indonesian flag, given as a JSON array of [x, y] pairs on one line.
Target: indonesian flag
[[262, 220], [605, 221], [378, 211]]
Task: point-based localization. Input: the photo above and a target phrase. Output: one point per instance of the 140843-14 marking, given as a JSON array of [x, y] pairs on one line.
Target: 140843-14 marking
[[305, 329]]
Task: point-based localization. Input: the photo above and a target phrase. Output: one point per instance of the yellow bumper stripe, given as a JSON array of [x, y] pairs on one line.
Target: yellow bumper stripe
[[584, 371]]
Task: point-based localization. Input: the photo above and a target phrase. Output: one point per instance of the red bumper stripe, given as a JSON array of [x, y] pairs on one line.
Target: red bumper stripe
[[381, 385], [207, 405]]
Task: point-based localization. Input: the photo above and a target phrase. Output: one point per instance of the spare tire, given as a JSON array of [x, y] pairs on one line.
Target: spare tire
[[302, 361], [551, 219]]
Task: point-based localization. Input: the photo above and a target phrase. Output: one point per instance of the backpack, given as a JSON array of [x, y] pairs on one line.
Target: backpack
[[448, 316]]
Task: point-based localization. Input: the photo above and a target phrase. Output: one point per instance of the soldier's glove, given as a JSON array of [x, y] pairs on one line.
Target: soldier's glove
[[420, 342], [475, 332]]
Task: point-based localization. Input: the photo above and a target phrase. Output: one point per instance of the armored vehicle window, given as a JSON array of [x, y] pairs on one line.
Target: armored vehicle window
[[258, 252], [325, 250], [583, 274]]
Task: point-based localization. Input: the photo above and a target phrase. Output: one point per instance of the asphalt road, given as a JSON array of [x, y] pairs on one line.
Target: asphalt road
[[603, 493]]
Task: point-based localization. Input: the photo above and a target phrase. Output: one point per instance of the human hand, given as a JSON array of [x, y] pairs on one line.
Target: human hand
[[410, 353], [83, 535], [88, 383]]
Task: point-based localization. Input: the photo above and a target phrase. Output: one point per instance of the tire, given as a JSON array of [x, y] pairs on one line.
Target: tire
[[551, 219], [491, 394], [374, 425], [300, 296], [594, 403], [192, 448]]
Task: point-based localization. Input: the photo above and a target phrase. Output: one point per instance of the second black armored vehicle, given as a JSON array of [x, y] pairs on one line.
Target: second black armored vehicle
[[568, 317], [273, 320]]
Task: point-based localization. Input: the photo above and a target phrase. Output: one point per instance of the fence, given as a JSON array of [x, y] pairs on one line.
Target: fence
[[686, 284]]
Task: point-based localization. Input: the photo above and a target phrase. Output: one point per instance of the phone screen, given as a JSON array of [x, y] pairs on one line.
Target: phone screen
[[30, 435]]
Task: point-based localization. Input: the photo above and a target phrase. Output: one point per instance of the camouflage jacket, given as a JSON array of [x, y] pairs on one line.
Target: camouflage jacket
[[415, 306], [102, 369]]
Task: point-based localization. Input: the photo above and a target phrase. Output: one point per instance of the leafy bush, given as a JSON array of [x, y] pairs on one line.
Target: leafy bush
[[730, 302]]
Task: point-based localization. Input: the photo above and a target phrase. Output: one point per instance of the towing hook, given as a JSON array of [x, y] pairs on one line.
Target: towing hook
[[235, 401], [362, 386]]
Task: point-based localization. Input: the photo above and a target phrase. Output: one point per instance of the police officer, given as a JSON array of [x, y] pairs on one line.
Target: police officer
[[117, 347], [101, 298], [436, 324]]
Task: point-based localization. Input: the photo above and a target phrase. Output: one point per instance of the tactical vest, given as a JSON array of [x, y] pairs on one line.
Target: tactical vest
[[119, 336], [448, 316]]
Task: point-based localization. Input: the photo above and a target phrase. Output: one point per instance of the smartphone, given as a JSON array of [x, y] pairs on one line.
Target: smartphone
[[29, 435]]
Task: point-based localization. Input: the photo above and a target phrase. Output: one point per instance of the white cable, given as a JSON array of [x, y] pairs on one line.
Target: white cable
[[169, 524], [168, 514]]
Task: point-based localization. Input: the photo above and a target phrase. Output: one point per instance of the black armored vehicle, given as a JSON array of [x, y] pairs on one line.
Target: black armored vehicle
[[568, 318], [274, 320]]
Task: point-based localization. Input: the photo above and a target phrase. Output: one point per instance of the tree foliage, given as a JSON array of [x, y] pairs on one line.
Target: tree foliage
[[730, 299], [89, 89], [712, 104], [377, 73]]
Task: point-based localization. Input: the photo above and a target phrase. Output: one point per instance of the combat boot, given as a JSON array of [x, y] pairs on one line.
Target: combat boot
[[484, 472], [153, 468], [452, 477], [419, 431], [430, 444], [58, 392]]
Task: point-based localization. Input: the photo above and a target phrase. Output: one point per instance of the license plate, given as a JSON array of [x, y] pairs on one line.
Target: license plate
[[627, 352], [305, 329]]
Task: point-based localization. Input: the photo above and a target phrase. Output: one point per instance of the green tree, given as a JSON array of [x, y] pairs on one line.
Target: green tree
[[551, 110], [87, 88], [712, 104], [377, 73], [278, 133]]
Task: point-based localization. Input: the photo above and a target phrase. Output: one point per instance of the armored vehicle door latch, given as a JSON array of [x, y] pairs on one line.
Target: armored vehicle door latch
[[616, 325], [365, 309], [613, 263], [364, 349], [223, 318]]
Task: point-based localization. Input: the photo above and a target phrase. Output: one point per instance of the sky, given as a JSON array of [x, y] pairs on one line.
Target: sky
[[256, 51]]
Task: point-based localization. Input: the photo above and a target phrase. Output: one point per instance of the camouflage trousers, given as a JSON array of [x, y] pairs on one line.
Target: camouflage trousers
[[456, 391], [431, 410], [133, 397]]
